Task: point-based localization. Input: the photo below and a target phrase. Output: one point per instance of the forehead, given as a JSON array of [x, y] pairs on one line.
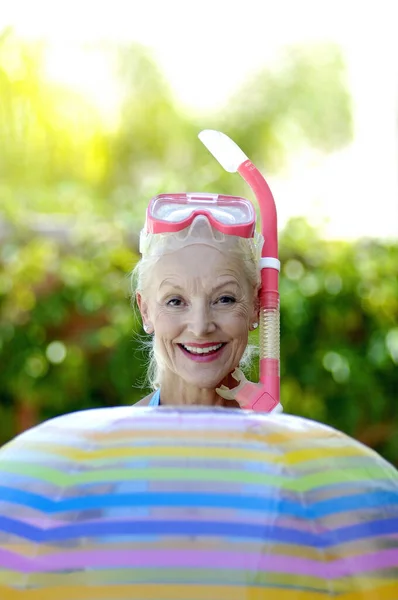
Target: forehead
[[200, 264]]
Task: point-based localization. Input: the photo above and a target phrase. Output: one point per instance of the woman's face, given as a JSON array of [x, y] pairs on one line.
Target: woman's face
[[200, 307]]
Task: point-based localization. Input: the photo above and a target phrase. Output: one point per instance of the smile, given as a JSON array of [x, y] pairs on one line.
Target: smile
[[204, 353], [201, 349]]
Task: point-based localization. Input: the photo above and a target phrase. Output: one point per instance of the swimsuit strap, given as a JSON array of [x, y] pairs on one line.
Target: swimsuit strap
[[155, 400]]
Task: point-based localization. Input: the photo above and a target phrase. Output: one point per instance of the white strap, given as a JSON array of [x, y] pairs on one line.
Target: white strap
[[268, 262]]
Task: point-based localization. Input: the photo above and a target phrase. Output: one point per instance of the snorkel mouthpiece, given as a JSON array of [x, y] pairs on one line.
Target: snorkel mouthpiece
[[264, 396]]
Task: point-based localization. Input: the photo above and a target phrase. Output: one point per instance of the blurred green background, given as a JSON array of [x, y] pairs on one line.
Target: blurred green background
[[73, 191]]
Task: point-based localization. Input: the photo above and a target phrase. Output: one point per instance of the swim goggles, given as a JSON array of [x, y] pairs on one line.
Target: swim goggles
[[231, 215]]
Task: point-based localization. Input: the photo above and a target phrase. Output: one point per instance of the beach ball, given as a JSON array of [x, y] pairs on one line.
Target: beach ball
[[195, 504]]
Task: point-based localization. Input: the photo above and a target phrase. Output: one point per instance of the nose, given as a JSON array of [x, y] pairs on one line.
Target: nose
[[200, 322]]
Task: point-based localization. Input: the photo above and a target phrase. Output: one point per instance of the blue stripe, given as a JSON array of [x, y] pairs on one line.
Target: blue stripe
[[274, 503], [267, 533]]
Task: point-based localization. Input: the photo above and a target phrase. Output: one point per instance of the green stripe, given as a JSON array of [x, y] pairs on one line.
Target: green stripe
[[125, 576], [294, 483]]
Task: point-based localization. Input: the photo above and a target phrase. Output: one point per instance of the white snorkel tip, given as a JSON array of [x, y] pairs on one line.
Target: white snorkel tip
[[225, 150]]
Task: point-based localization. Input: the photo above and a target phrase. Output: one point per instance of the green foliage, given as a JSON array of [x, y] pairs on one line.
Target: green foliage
[[72, 198], [48, 133], [67, 325], [340, 335], [304, 102]]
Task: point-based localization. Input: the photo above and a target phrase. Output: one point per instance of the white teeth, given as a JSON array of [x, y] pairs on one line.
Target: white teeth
[[195, 350]]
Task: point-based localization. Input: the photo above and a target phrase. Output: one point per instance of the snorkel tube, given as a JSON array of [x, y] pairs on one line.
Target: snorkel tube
[[265, 395]]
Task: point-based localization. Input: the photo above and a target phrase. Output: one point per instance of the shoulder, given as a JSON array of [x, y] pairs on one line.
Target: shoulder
[[145, 401]]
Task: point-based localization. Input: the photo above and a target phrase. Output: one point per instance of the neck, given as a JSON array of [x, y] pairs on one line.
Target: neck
[[176, 392]]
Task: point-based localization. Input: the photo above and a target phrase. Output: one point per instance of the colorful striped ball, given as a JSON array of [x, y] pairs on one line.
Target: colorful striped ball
[[195, 504]]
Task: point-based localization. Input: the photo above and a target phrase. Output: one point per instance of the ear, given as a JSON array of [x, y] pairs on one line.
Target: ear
[[256, 306], [144, 309]]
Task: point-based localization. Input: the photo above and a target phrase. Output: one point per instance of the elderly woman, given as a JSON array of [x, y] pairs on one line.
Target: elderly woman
[[197, 288], [197, 291]]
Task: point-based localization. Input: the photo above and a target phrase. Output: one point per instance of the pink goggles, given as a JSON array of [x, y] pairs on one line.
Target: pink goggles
[[232, 215]]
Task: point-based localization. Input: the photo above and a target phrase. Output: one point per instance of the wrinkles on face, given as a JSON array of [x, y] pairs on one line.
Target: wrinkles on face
[[199, 295]]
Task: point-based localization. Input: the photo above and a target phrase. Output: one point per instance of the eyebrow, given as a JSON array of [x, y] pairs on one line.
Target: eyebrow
[[226, 284], [171, 283]]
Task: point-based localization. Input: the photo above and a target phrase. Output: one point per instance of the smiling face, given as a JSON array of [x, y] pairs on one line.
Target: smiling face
[[200, 306]]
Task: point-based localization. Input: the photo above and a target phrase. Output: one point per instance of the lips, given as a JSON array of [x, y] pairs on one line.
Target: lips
[[202, 352]]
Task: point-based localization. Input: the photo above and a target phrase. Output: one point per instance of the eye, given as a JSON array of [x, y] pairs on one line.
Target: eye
[[174, 302], [226, 299]]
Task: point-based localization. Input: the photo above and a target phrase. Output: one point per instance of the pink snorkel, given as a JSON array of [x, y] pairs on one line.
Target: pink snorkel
[[265, 395]]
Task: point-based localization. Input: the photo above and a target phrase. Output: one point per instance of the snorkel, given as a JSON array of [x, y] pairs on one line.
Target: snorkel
[[265, 395]]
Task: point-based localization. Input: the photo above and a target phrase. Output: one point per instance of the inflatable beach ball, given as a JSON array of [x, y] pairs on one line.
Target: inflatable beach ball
[[195, 504]]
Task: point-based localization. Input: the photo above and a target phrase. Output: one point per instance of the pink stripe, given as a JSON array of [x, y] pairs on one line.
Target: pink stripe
[[159, 514], [201, 559]]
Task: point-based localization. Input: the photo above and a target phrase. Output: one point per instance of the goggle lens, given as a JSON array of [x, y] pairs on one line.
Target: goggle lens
[[228, 210]]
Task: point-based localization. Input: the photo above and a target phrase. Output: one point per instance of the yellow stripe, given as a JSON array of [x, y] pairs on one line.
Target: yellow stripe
[[199, 452], [288, 437], [159, 452], [185, 592], [158, 592], [384, 592], [309, 454]]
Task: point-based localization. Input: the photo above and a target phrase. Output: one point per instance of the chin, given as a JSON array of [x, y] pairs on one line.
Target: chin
[[206, 383]]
